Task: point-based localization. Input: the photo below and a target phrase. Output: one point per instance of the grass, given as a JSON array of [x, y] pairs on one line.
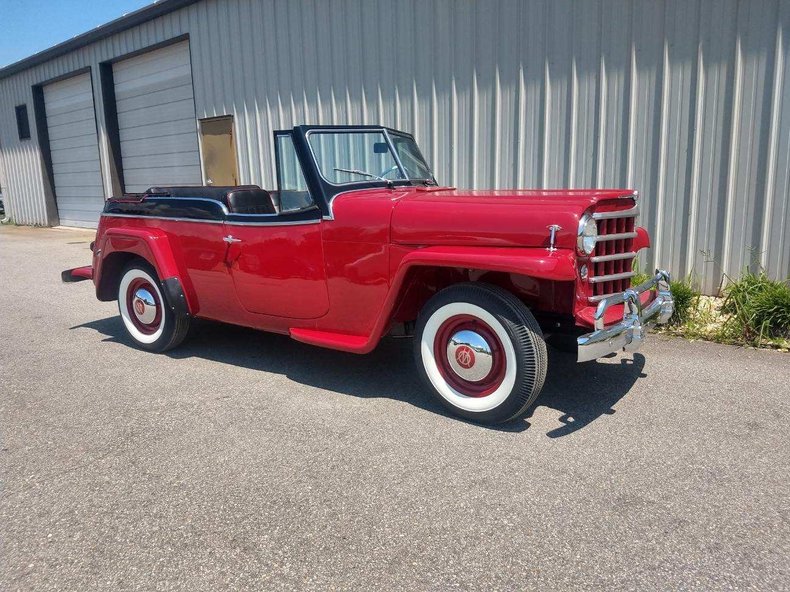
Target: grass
[[758, 308], [754, 311]]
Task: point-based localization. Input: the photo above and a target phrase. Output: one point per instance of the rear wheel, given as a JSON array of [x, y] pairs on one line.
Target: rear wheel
[[147, 316], [481, 352]]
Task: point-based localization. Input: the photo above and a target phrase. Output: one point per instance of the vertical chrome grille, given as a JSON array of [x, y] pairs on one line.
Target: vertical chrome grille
[[611, 260]]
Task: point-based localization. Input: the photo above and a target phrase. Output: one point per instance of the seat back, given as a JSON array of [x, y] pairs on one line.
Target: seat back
[[220, 193], [250, 201]]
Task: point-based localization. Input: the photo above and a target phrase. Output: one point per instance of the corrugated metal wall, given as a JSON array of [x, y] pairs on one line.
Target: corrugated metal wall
[[686, 100]]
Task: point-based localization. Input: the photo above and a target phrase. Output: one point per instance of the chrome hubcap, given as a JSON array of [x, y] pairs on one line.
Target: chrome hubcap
[[470, 355], [144, 306]]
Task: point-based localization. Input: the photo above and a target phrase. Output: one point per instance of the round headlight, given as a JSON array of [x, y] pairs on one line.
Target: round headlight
[[588, 235]]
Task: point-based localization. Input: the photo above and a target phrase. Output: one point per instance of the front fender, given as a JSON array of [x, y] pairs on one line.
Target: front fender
[[538, 262], [153, 245], [543, 276], [642, 240], [557, 265]]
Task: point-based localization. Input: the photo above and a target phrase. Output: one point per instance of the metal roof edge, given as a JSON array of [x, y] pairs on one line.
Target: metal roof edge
[[138, 17]]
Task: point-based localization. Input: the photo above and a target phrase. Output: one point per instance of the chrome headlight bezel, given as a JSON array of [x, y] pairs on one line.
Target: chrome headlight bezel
[[587, 235]]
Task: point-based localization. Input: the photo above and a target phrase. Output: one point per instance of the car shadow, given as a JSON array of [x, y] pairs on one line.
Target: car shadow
[[581, 392], [584, 392]]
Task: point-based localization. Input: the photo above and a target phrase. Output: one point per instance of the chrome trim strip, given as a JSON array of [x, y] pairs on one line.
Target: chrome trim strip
[[611, 277], [283, 223], [614, 257], [594, 299], [229, 222], [261, 215], [112, 215], [299, 211], [616, 236], [216, 201], [229, 213], [631, 213]]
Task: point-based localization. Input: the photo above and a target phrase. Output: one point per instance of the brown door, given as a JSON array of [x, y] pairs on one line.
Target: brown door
[[219, 151]]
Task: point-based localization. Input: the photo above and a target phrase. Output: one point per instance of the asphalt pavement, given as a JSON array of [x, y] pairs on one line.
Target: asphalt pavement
[[248, 461]]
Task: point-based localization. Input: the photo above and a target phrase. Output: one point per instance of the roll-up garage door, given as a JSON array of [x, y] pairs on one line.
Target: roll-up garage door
[[156, 119], [74, 148]]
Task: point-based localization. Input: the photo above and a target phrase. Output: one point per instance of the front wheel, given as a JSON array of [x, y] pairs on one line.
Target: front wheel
[[146, 314], [481, 352]]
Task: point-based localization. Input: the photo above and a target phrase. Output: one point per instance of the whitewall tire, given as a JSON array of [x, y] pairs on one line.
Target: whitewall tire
[[481, 352], [146, 314]]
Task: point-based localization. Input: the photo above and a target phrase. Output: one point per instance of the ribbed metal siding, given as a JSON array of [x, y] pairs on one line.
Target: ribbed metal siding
[[686, 100], [156, 119], [71, 121]]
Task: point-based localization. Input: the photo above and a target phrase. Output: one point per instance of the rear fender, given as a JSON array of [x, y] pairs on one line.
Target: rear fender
[[153, 245]]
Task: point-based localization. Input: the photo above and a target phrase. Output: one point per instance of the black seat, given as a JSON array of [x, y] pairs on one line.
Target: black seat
[[218, 192], [250, 201]]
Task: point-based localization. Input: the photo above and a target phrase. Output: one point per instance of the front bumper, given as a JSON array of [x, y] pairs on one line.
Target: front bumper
[[628, 334]]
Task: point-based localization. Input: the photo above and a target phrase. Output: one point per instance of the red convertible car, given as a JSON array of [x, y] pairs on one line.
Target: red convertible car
[[359, 240]]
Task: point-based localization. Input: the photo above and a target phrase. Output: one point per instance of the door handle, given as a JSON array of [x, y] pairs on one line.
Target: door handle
[[230, 239]]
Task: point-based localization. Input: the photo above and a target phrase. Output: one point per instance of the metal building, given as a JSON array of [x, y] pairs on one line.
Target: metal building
[[687, 101]]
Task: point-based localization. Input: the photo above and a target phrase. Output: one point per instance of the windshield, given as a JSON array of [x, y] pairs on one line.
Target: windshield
[[355, 156], [411, 158]]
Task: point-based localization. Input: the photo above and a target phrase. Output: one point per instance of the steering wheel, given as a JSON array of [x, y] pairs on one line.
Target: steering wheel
[[394, 168]]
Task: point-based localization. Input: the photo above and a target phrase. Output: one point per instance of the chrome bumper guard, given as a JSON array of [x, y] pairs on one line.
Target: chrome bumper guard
[[628, 334]]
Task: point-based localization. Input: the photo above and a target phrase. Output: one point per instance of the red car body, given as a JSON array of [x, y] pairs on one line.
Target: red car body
[[372, 253], [283, 278]]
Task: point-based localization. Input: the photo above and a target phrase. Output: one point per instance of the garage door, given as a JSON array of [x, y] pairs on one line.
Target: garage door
[[156, 119], [71, 123]]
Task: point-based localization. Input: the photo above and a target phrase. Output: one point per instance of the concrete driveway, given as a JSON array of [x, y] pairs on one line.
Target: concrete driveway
[[249, 461]]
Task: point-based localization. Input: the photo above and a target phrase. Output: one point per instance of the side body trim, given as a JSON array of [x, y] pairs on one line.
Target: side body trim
[[228, 222], [202, 209]]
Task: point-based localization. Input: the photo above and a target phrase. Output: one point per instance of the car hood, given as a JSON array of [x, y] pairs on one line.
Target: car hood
[[444, 216]]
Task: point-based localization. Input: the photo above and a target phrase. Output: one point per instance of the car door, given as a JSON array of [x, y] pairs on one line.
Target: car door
[[277, 260]]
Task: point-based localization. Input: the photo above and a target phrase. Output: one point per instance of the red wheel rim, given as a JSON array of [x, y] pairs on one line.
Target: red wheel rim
[[139, 309], [494, 377]]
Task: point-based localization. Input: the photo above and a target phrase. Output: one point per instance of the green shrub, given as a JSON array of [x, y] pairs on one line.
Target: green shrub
[[685, 297], [759, 307], [740, 292], [772, 310], [640, 277]]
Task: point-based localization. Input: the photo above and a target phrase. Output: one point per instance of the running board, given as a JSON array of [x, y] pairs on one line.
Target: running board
[[357, 344], [78, 274]]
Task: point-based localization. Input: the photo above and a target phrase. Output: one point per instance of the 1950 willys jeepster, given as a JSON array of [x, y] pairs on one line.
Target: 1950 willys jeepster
[[359, 240]]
